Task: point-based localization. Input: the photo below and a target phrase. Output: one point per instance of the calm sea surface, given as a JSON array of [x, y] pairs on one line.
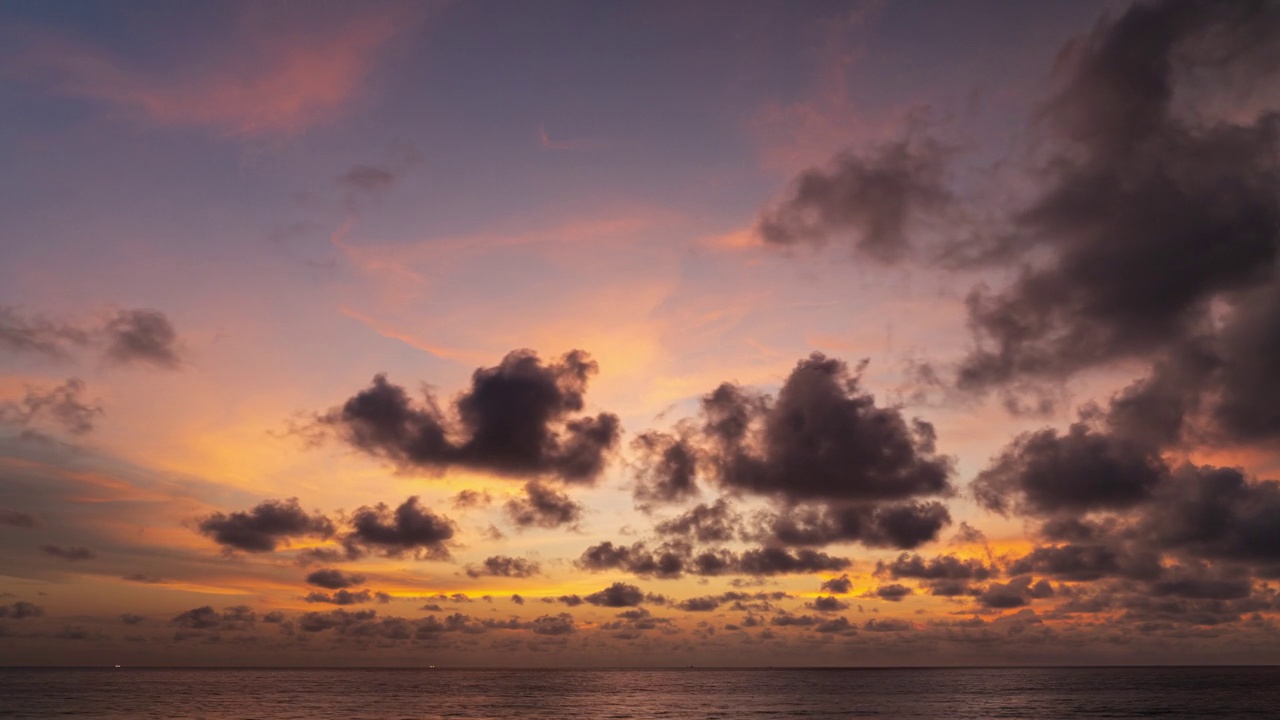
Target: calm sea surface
[[675, 694]]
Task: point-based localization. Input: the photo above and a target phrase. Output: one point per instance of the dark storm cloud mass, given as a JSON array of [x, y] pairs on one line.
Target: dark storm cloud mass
[[333, 579], [142, 336], [62, 404], [542, 506], [874, 198], [518, 419], [1154, 212], [410, 529], [264, 527], [503, 566], [1082, 470]]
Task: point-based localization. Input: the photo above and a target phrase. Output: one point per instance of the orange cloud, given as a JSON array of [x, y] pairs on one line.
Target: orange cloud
[[273, 75]]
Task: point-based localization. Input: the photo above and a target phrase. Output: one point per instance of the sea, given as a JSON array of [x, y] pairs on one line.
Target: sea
[[673, 694]]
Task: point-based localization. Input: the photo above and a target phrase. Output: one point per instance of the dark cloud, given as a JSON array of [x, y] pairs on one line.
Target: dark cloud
[[1069, 562], [893, 593], [131, 619], [21, 610], [144, 579], [699, 604], [942, 567], [779, 561], [1017, 592], [617, 595], [519, 419], [1216, 513], [875, 199], [821, 438], [668, 467], [142, 336], [201, 618], [887, 625], [409, 529], [34, 334], [517, 599], [542, 506], [72, 553], [264, 527], [466, 499], [827, 604], [333, 579], [504, 566], [898, 525], [672, 560], [561, 624], [13, 518], [1159, 204], [1045, 472], [344, 597], [61, 404], [704, 523], [840, 585]]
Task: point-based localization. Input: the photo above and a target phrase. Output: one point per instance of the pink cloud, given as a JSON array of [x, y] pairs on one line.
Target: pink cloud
[[276, 74]]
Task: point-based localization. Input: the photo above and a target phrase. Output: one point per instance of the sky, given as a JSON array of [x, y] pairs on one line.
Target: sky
[[639, 333]]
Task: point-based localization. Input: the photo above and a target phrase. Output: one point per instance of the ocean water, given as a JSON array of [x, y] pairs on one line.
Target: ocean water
[[674, 694]]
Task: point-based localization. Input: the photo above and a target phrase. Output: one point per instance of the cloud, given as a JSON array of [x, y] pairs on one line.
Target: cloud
[[333, 579], [1151, 213], [617, 595], [672, 560], [1017, 592], [827, 604], [129, 336], [821, 439], [346, 597], [13, 518], [504, 566], [875, 199], [264, 527], [841, 585], [73, 553], [543, 506], [276, 71], [668, 468], [62, 404], [206, 618], [409, 529], [893, 593], [1082, 470], [142, 336], [705, 523], [38, 335], [518, 419], [21, 610], [902, 525]]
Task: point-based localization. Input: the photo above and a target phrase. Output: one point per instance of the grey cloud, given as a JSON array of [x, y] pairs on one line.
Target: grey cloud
[[543, 506], [504, 566], [333, 579], [265, 526], [518, 419]]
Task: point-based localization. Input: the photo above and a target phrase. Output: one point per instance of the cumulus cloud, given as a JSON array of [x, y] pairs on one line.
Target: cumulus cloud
[[333, 579], [264, 527], [504, 566], [617, 595], [21, 610], [142, 336], [13, 518], [874, 199], [520, 418], [409, 529], [542, 506]]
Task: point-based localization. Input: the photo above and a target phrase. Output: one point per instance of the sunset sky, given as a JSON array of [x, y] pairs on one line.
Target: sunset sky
[[639, 333]]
